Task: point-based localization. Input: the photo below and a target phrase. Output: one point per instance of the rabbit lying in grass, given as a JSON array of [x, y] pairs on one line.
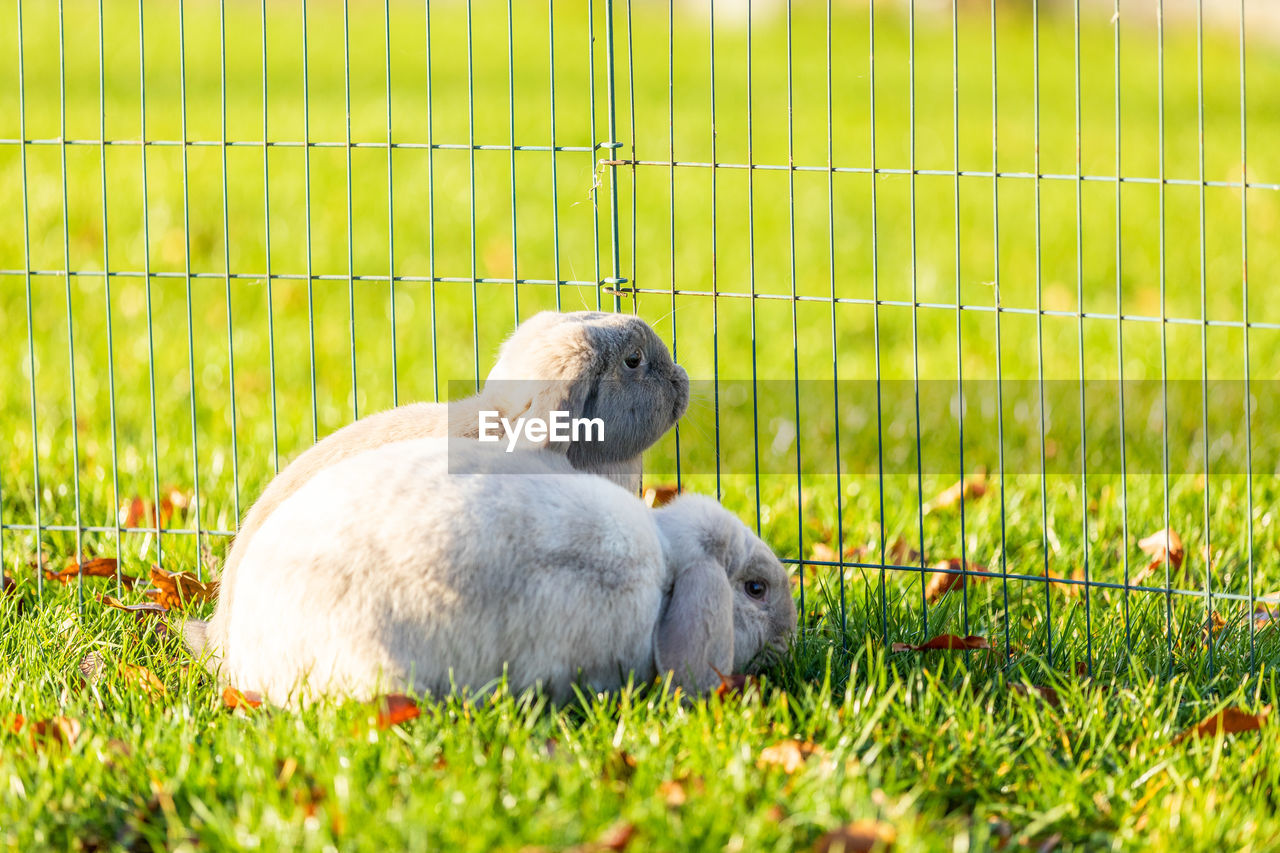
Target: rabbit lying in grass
[[440, 564], [607, 366]]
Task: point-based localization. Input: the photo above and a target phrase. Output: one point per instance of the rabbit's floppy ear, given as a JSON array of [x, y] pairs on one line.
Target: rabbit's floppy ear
[[694, 637]]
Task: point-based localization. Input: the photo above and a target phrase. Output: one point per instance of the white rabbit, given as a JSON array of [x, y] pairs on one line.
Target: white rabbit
[[440, 564], [590, 364]]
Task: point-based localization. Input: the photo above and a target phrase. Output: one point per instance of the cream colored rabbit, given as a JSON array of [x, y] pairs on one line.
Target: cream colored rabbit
[[590, 364], [440, 564]]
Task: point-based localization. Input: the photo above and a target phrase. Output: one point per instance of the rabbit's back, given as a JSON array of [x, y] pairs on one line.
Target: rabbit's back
[[416, 564]]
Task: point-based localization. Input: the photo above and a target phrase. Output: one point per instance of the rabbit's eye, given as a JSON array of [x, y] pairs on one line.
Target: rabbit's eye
[[633, 361], [756, 589]]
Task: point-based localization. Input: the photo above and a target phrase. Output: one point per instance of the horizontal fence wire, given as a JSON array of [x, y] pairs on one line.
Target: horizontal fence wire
[[265, 220]]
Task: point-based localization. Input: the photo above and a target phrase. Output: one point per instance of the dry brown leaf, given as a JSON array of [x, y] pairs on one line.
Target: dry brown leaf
[[1213, 625], [972, 488], [823, 553], [790, 755], [656, 496], [245, 700], [948, 575], [396, 708], [177, 589], [735, 685], [1161, 546], [673, 793], [142, 678], [1228, 721], [7, 585], [62, 731], [146, 608], [857, 837], [1071, 586], [1265, 616], [98, 567], [900, 553], [1045, 694], [944, 641], [620, 766], [139, 510], [615, 838]]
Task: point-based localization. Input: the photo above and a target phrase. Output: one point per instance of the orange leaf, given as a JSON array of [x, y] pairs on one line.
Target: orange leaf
[[673, 793], [858, 837], [735, 685], [944, 641], [7, 585], [790, 755], [246, 700], [900, 553], [1228, 721], [615, 838], [176, 589], [974, 487], [98, 567], [142, 678], [396, 708], [950, 577], [1162, 544], [824, 553], [55, 730], [656, 496]]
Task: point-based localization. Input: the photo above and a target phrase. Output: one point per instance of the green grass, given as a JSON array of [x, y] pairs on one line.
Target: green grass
[[936, 748]]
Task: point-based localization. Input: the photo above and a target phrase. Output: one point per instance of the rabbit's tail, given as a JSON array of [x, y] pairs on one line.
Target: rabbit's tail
[[196, 634]]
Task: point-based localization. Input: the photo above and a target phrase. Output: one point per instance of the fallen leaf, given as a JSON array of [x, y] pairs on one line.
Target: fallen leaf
[[91, 666], [98, 567], [7, 585], [948, 575], [1046, 694], [974, 487], [620, 766], [944, 641], [142, 678], [858, 837], [656, 496], [177, 589], [1213, 625], [790, 755], [144, 609], [735, 685], [1070, 586], [55, 730], [673, 793], [396, 708], [138, 510], [1162, 546], [900, 553], [615, 838], [1265, 616], [824, 553], [1227, 721], [245, 700]]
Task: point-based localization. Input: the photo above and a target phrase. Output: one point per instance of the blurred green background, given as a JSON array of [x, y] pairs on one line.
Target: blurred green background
[[454, 85]]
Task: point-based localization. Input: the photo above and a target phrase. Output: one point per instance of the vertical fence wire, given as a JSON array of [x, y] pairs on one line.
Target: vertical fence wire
[[1080, 313], [391, 209], [116, 521], [266, 248], [146, 269], [999, 343], [1120, 386], [1204, 332], [1164, 328], [226, 261], [66, 266], [26, 276], [1244, 315], [875, 325], [915, 310], [197, 503]]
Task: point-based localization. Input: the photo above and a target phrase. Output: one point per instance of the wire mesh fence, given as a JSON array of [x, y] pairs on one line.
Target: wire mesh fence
[[967, 285]]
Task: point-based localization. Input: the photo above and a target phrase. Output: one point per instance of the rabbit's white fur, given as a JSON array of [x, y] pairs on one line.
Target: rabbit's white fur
[[438, 565], [573, 362]]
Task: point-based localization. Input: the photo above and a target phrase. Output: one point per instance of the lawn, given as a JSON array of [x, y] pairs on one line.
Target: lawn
[[262, 295]]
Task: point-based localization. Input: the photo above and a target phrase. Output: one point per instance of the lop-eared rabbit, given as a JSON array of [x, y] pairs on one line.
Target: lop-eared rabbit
[[590, 364], [440, 564]]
